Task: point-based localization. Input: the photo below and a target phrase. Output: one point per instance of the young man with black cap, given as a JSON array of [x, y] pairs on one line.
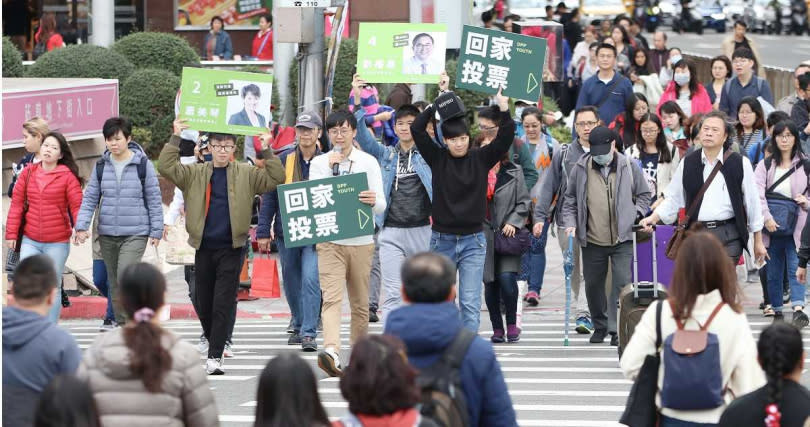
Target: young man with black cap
[[299, 266], [605, 196], [460, 195]]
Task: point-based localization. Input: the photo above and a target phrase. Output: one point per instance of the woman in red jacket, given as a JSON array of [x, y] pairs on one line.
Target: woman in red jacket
[[263, 41], [47, 38], [53, 191], [686, 90]]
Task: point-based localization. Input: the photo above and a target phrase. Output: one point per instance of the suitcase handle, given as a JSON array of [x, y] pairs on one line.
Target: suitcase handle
[[636, 228]]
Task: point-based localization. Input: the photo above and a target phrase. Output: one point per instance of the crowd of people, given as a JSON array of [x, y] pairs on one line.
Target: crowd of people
[[651, 145]]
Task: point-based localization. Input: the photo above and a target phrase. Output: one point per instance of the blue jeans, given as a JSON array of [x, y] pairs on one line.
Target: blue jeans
[[100, 280], [782, 250], [469, 253], [533, 262], [666, 421], [58, 253], [299, 271]]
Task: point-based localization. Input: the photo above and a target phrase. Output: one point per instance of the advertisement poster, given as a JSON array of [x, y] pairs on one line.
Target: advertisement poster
[[401, 53], [493, 59], [226, 101], [553, 33], [196, 14]]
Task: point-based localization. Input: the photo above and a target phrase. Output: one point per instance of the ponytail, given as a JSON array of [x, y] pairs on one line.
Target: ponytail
[[780, 352]]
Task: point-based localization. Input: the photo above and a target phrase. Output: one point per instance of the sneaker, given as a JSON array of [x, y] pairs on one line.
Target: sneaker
[[768, 311], [584, 325], [800, 320], [329, 362], [228, 351], [202, 347], [598, 336], [213, 366], [512, 333], [497, 336], [295, 339], [290, 328], [614, 339], [308, 344], [108, 325], [372, 316], [532, 298]]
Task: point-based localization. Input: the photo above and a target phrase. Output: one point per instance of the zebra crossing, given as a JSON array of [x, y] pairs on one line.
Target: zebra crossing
[[550, 385]]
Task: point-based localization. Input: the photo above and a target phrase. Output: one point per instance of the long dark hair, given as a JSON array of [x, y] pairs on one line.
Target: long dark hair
[[755, 106], [143, 287], [780, 128], [664, 155], [780, 350], [47, 27], [630, 130], [644, 69], [693, 78], [67, 154], [288, 394], [66, 402], [672, 107], [702, 266], [379, 380]]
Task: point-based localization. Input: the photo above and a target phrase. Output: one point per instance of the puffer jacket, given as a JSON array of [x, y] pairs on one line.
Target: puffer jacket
[[54, 199], [122, 399], [123, 211]]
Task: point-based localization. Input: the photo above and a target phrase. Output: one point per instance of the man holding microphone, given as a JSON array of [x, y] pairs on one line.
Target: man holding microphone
[[349, 260]]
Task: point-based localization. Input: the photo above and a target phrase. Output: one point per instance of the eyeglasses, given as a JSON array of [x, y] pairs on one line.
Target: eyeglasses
[[342, 132], [485, 129], [586, 124], [649, 131], [740, 61], [786, 138], [221, 147]]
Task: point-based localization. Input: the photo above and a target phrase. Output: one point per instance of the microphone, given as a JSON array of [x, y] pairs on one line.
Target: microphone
[[336, 166]]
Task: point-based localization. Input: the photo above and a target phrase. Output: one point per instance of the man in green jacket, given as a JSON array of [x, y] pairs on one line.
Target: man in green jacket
[[218, 199]]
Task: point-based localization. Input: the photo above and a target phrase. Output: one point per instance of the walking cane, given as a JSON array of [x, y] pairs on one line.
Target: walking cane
[[568, 267]]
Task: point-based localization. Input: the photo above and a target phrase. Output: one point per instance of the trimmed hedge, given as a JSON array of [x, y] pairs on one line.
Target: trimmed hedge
[[347, 59], [82, 60], [147, 98], [162, 51], [12, 59]]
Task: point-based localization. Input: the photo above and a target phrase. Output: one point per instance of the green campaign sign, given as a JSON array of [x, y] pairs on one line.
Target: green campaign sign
[[324, 210], [491, 59], [226, 101], [401, 53]]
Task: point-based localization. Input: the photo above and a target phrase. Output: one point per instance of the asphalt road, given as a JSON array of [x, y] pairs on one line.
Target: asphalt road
[[779, 51]]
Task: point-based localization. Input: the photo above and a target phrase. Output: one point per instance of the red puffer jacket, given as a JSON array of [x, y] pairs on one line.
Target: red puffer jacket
[[52, 196]]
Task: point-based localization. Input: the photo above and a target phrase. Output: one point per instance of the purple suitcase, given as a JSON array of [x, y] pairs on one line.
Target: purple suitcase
[[665, 265]]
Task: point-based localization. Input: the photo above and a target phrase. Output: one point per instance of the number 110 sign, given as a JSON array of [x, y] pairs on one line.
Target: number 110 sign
[[305, 3]]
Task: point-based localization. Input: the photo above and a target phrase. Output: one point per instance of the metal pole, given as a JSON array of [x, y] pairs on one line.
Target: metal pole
[[313, 71], [103, 23]]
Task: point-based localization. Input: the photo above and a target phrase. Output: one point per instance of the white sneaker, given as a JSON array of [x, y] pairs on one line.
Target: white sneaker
[[202, 347], [214, 366], [329, 362], [228, 352]]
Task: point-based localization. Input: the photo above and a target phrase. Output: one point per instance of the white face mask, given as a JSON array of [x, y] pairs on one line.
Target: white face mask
[[681, 78], [603, 159], [519, 112]]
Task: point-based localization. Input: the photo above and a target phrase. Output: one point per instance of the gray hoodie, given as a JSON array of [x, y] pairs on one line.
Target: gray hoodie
[[555, 178], [34, 351]]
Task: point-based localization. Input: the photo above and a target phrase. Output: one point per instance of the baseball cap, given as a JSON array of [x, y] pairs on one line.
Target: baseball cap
[[600, 139], [309, 119]]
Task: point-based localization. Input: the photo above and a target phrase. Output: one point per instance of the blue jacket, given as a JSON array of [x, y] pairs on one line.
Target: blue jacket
[[593, 90], [427, 329], [123, 211], [270, 205], [223, 47], [388, 157], [34, 352]]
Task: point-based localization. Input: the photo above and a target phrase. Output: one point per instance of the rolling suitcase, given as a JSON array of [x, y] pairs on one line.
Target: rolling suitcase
[[634, 299]]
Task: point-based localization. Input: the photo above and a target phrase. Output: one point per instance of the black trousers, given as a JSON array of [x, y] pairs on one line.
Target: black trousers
[[216, 285], [730, 238]]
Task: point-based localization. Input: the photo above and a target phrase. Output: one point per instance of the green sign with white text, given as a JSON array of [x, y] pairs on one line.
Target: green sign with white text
[[491, 59], [324, 210], [401, 53], [226, 101]]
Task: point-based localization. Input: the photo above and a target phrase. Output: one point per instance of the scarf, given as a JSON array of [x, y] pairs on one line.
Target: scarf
[[492, 178]]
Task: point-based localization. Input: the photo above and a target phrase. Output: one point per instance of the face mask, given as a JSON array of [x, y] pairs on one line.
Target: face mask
[[208, 157], [681, 78], [519, 112], [603, 159]]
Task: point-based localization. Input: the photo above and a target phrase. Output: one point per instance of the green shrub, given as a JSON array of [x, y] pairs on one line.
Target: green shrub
[[347, 59], [12, 59], [162, 51], [82, 60], [147, 98]]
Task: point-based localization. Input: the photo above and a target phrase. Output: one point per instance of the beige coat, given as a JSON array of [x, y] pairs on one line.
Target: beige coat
[[728, 50], [122, 400]]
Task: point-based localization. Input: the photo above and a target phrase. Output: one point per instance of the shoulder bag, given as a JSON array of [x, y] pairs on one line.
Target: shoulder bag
[[784, 210], [13, 257]]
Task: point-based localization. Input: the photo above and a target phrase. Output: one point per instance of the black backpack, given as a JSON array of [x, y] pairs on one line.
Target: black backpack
[[442, 397], [141, 175]]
